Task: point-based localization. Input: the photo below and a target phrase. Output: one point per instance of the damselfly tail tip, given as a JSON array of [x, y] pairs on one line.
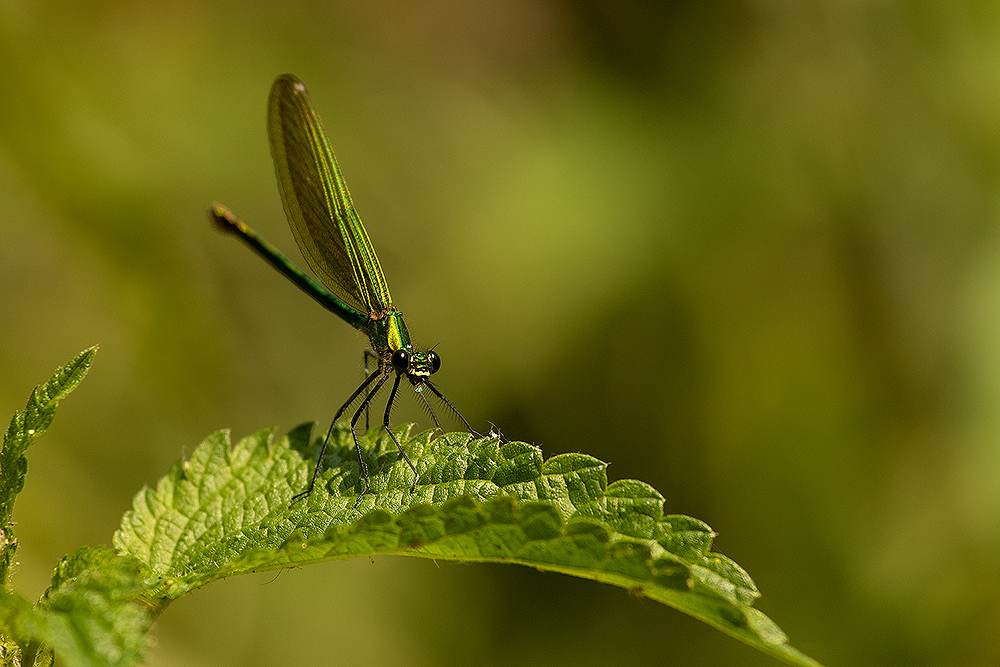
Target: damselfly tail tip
[[224, 219]]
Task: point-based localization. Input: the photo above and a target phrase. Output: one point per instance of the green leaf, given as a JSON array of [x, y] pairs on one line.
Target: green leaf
[[226, 510], [23, 429], [89, 615], [14, 609], [26, 426]]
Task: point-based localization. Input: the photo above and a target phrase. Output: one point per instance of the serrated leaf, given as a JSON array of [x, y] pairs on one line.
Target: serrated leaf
[[89, 614], [24, 427], [226, 510], [27, 425]]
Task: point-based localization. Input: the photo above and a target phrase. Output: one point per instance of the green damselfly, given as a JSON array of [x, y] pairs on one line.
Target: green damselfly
[[336, 247]]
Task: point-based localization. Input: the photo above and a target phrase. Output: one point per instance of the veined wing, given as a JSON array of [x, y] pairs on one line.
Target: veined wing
[[318, 205]]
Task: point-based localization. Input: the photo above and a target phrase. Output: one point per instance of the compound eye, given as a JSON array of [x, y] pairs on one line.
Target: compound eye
[[401, 360], [434, 360]]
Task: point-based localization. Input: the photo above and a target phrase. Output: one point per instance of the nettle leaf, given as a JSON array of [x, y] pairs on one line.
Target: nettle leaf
[[227, 510], [32, 422], [89, 615]]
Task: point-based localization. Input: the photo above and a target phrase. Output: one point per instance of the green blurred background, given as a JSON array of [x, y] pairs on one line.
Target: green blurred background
[[745, 251]]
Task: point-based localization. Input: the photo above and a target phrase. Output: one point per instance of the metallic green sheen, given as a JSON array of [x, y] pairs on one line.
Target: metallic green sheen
[[318, 205], [336, 246]]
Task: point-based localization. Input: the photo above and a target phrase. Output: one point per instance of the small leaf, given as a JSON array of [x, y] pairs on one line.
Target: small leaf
[[26, 426], [23, 429], [227, 510], [14, 608], [89, 615]]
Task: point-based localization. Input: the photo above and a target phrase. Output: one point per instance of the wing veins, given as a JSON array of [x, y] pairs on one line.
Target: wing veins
[[326, 226]]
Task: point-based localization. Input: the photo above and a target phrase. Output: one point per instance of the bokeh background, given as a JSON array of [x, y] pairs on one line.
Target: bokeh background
[[745, 251]]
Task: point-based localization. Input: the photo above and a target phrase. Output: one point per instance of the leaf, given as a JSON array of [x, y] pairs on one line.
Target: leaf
[[26, 426], [14, 608], [23, 429], [226, 510], [88, 616]]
